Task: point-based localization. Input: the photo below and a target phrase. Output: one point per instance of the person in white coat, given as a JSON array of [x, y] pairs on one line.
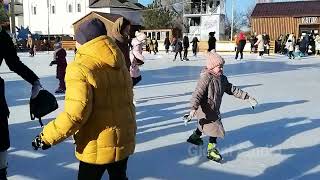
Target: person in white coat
[[136, 57], [317, 42], [260, 45]]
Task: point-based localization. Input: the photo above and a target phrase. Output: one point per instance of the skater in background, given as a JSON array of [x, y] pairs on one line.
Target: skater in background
[[253, 39], [136, 57], [212, 41], [8, 54], [266, 40], [195, 46], [30, 45], [241, 42], [59, 58], [260, 45], [156, 46], [206, 101], [178, 49], [98, 112], [317, 42], [120, 33], [290, 48], [167, 44], [186, 45]]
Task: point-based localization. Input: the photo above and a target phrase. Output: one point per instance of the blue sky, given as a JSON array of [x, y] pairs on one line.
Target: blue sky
[[242, 5]]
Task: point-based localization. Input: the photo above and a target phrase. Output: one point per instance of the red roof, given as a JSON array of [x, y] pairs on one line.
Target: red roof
[[287, 9]]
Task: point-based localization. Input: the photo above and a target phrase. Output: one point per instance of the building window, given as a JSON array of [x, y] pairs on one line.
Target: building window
[[158, 36], [78, 7], [34, 10], [53, 9], [70, 8], [195, 21], [153, 35]]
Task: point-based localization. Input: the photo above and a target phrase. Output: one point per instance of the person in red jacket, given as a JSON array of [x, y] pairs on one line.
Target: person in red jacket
[[59, 57]]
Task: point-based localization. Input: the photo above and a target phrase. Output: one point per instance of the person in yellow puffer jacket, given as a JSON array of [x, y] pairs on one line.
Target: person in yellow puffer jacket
[[99, 108]]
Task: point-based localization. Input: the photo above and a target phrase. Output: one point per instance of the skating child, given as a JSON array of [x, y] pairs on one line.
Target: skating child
[[136, 57], [59, 58], [290, 47], [206, 101]]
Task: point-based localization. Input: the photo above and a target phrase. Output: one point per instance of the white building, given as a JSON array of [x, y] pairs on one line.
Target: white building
[[57, 16], [204, 16]]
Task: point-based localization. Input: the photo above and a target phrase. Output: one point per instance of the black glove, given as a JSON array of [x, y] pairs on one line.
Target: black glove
[[38, 143]]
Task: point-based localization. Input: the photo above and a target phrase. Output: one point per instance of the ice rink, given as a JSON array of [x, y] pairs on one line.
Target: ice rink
[[278, 140]]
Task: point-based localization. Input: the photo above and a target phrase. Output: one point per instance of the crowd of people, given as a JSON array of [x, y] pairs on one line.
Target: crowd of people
[[306, 44]]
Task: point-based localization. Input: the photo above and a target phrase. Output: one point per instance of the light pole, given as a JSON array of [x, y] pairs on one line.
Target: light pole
[[232, 17], [12, 18], [48, 5]]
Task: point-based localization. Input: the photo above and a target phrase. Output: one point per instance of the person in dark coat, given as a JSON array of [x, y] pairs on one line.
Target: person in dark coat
[[167, 44], [253, 39], [59, 57], [9, 54], [185, 47], [212, 41], [178, 49], [304, 45], [195, 46], [241, 42], [120, 32]]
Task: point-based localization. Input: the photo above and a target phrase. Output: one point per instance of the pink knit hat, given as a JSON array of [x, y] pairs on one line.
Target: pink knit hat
[[214, 60]]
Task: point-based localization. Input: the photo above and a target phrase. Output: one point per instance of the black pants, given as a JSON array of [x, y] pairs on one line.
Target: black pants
[[177, 54], [31, 51], [241, 53], [116, 170], [185, 53], [260, 53], [194, 50], [291, 55], [136, 80], [211, 139]]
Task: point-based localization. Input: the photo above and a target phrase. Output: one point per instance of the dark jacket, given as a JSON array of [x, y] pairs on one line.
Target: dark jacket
[[178, 46], [195, 43], [60, 60], [9, 54], [167, 43], [186, 42], [212, 43]]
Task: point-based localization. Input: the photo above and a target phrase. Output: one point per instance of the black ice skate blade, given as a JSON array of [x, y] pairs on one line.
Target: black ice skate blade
[[220, 161], [191, 142]]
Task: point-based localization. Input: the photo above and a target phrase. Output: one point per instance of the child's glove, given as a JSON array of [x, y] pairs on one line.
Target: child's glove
[[253, 102], [188, 117], [38, 143]]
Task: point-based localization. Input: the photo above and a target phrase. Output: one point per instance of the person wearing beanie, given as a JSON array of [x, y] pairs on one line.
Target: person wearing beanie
[[99, 111], [59, 58], [206, 101], [136, 57], [120, 34]]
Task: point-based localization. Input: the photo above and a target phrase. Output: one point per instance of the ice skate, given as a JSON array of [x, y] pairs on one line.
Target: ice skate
[[195, 139], [213, 153]]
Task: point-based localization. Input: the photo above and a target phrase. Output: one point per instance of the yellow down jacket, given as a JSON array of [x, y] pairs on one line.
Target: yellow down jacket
[[99, 108]]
